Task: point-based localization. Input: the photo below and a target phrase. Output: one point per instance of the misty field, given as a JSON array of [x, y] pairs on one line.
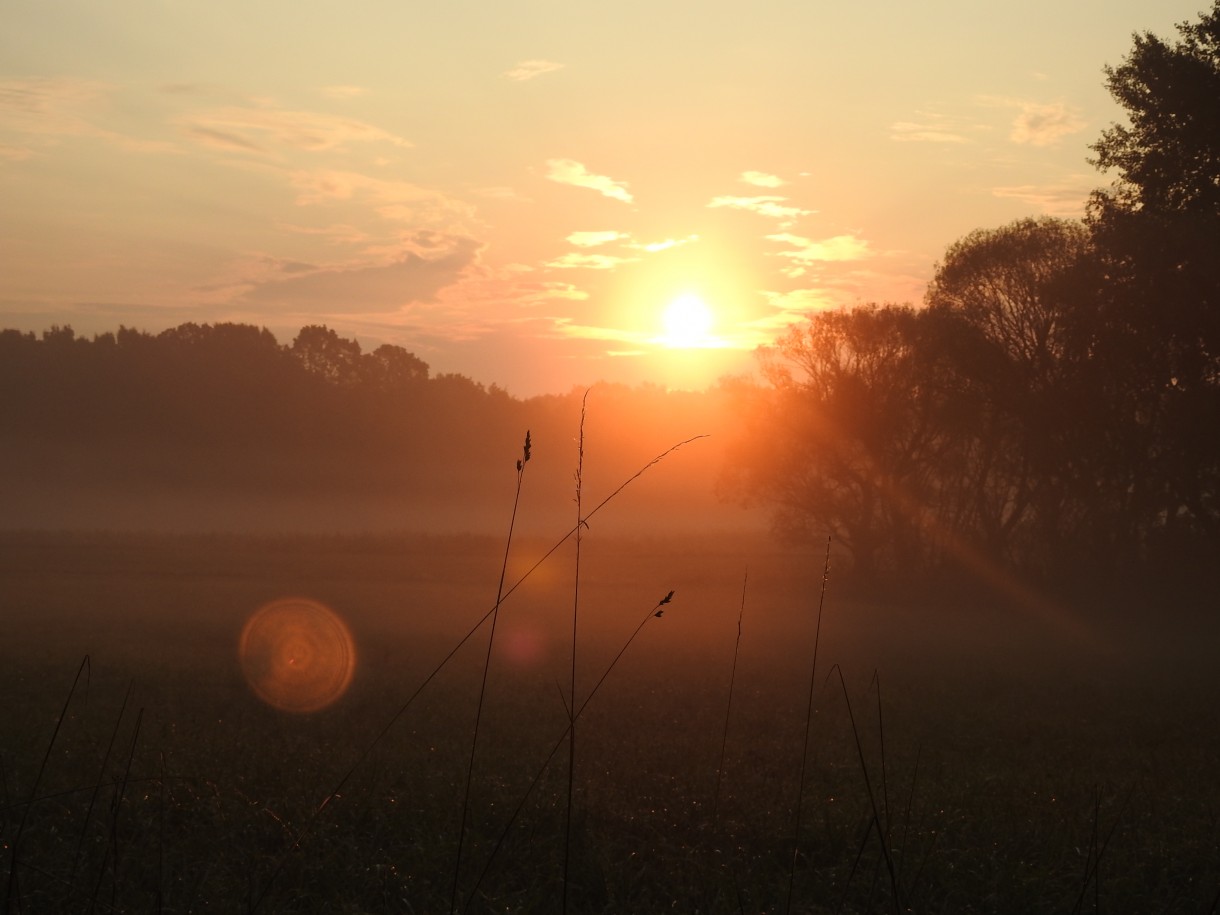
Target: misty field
[[997, 755]]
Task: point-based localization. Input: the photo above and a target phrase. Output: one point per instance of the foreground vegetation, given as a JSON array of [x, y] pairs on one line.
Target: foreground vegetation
[[1015, 756]]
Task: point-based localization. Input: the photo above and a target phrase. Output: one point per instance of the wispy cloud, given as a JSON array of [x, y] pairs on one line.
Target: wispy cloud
[[569, 171], [917, 132], [45, 110], [1066, 198], [258, 128], [790, 307], [529, 69], [769, 206], [1045, 125], [653, 247], [15, 153], [222, 140], [581, 260], [412, 277], [594, 239], [337, 234], [42, 104], [396, 201], [762, 179], [838, 248], [568, 328]]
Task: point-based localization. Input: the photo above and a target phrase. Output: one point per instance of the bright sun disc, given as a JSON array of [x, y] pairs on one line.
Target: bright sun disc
[[687, 320]]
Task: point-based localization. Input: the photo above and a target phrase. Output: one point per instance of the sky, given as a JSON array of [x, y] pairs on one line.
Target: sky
[[520, 191]]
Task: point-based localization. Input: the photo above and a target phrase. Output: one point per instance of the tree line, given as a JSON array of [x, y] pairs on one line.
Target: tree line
[[225, 411], [1054, 406]]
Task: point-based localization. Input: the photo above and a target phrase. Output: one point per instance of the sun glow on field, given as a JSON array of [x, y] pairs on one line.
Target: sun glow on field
[[687, 321]]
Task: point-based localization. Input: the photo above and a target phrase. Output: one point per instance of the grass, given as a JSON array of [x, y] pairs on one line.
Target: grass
[[1012, 771]]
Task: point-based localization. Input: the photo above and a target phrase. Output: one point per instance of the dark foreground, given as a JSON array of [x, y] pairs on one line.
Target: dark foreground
[[1034, 758]]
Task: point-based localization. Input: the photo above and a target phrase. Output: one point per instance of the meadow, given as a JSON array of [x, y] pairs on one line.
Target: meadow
[[989, 755]]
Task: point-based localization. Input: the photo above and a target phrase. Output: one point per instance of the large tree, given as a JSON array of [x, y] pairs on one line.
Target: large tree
[[1022, 299], [1157, 228], [845, 441]]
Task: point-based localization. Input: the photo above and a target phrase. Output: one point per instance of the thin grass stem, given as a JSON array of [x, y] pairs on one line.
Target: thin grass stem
[[872, 795], [97, 787], [10, 891], [656, 611], [491, 638], [728, 710], [567, 825], [813, 674]]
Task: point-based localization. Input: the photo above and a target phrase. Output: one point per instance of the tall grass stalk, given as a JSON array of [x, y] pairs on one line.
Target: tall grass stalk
[[571, 705], [1092, 865], [728, 709], [101, 775], [491, 638], [113, 849], [813, 674], [311, 823], [885, 790], [882, 830], [657, 611], [10, 891]]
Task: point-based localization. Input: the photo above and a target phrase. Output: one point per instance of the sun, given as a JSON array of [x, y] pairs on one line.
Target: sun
[[687, 321]]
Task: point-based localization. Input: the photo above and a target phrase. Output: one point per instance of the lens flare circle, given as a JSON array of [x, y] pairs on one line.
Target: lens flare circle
[[297, 655]]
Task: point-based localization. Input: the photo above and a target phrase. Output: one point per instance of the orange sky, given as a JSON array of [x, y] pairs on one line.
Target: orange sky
[[517, 191]]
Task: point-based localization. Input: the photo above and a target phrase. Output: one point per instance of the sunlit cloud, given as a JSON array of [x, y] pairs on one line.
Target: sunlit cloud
[[1044, 125], [341, 92], [553, 290], [529, 69], [789, 308], [594, 239], [914, 132], [508, 294], [762, 179], [580, 260], [253, 128], [1066, 199], [566, 327], [569, 171], [770, 206], [655, 246], [837, 248]]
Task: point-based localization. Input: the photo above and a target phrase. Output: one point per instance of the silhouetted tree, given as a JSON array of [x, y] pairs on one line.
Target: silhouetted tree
[[1157, 229], [846, 439], [326, 355], [1024, 297], [390, 369]]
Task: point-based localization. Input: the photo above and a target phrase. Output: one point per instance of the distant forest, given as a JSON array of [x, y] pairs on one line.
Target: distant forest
[[1052, 409], [221, 427]]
